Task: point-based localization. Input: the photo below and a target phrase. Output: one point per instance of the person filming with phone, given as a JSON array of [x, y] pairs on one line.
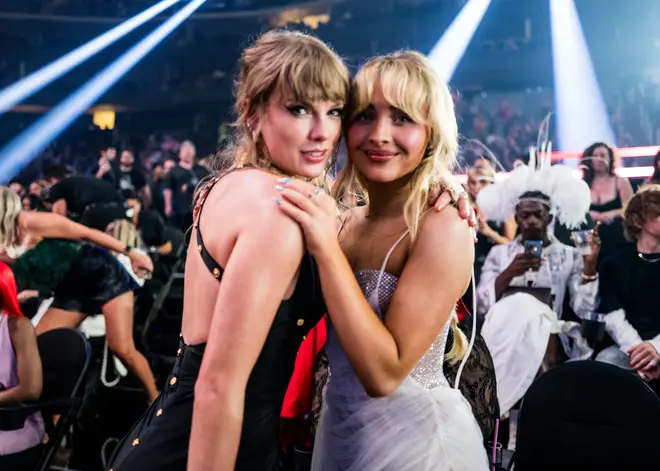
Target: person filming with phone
[[524, 283]]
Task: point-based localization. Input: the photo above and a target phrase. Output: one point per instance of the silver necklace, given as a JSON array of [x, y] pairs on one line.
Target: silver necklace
[[646, 259]]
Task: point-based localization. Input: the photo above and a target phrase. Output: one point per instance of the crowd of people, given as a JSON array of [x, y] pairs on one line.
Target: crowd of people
[[509, 130], [270, 268]]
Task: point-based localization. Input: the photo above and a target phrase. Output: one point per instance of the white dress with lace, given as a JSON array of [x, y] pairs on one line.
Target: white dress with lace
[[424, 425]]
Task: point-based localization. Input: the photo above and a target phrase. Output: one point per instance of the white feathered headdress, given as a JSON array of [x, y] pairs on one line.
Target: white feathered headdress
[[569, 196]]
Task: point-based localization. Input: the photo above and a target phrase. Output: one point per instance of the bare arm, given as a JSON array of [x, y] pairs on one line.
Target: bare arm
[[435, 276], [510, 229], [259, 271], [625, 190], [502, 283], [28, 363], [146, 195], [54, 226], [6, 258], [167, 199]]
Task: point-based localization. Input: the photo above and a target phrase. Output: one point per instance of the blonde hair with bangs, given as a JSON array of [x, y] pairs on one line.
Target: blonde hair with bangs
[[410, 84], [294, 65]]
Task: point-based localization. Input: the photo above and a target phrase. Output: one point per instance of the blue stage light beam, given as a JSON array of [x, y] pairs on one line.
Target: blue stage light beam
[[27, 145], [449, 50], [582, 117], [28, 86]]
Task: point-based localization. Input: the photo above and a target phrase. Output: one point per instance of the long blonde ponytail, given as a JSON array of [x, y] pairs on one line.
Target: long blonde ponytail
[[460, 344]]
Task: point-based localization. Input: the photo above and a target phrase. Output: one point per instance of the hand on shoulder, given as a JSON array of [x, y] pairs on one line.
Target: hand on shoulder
[[253, 192], [446, 236]]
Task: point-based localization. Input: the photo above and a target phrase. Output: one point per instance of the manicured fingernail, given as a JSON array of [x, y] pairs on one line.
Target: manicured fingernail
[[279, 188], [278, 201], [284, 180]]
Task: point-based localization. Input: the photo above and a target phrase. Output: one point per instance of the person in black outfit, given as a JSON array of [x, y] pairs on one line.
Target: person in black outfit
[[148, 223], [72, 196], [105, 163], [159, 173], [630, 290], [180, 185], [125, 176], [251, 295]]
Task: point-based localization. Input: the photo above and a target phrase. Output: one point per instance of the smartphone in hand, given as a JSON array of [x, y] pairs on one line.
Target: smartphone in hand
[[534, 248]]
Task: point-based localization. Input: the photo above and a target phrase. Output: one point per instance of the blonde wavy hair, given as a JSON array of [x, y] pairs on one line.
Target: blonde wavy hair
[[10, 208], [409, 83], [125, 232], [293, 65], [483, 170]]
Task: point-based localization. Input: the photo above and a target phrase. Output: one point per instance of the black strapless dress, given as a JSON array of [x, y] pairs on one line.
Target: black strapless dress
[[160, 439]]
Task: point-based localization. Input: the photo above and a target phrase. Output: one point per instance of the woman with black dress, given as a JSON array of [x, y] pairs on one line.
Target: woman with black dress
[[609, 192], [249, 292]]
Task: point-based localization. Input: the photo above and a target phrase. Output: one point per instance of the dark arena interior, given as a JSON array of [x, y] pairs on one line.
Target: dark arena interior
[[491, 168]]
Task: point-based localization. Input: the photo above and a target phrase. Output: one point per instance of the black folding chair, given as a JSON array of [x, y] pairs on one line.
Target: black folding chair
[[588, 415], [65, 358]]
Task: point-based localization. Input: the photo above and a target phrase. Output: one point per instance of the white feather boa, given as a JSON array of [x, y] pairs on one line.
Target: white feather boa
[[570, 197]]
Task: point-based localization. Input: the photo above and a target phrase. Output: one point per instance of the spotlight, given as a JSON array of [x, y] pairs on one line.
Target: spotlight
[[28, 86], [27, 145]]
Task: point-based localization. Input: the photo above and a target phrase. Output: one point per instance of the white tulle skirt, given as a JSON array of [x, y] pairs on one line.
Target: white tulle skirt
[[413, 429]]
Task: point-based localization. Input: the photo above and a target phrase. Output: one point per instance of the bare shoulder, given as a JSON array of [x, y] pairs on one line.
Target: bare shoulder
[[42, 224], [26, 219], [35, 220], [20, 327], [445, 233], [622, 183], [251, 188], [251, 196]]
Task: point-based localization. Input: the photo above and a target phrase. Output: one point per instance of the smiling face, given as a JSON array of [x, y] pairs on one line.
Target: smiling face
[[289, 100], [299, 138], [401, 123], [384, 143], [401, 128]]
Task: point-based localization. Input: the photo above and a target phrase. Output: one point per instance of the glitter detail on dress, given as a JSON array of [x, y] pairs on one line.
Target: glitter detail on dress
[[428, 372]]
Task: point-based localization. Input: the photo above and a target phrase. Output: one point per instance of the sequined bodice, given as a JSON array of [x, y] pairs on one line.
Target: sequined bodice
[[428, 373]]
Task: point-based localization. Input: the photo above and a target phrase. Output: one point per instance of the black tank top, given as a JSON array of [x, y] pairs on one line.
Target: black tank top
[[611, 205]]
